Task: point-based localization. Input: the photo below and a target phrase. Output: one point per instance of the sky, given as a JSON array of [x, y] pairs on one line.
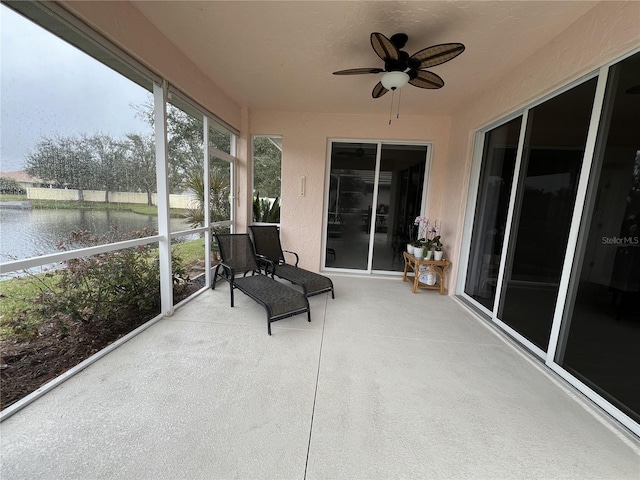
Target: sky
[[49, 88]]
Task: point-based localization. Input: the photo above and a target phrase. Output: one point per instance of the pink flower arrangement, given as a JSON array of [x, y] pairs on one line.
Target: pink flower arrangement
[[428, 233]]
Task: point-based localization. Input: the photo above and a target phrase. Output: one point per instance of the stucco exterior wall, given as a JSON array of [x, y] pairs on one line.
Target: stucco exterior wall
[[609, 30], [305, 140]]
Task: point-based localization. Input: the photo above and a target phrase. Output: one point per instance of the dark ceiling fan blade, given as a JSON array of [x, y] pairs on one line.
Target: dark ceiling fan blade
[[435, 55], [384, 47], [378, 90], [424, 79], [358, 71]]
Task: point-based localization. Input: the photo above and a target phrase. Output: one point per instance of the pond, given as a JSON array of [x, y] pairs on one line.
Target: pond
[[26, 233]]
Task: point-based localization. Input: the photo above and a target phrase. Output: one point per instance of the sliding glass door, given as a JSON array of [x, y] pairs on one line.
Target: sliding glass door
[[552, 156], [554, 246], [600, 336], [492, 206], [351, 182], [524, 206], [375, 192]]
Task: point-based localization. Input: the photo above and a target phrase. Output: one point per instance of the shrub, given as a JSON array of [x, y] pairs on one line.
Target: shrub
[[266, 211], [110, 289], [9, 185]]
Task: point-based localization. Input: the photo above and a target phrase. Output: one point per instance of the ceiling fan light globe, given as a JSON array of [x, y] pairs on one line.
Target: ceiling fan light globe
[[394, 80]]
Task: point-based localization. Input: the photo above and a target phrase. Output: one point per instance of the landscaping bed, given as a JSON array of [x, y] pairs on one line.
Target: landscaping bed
[[26, 366]]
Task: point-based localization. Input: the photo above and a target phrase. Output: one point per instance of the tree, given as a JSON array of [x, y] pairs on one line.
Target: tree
[[85, 162], [110, 160], [186, 162], [219, 190], [64, 162], [185, 139], [9, 185], [101, 162], [267, 159], [141, 165]]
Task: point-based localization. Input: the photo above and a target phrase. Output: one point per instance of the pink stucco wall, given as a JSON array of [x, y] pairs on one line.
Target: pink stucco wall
[[305, 140]]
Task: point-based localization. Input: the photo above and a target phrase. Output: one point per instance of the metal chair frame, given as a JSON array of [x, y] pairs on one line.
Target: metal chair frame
[[238, 258]]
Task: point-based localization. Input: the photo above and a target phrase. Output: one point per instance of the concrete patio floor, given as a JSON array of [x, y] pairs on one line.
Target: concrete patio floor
[[382, 384]]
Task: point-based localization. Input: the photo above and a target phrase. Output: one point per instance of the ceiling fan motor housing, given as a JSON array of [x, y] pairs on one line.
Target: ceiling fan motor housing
[[401, 68], [399, 65]]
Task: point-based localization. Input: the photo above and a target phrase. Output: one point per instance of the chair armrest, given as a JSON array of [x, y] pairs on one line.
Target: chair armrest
[[267, 264], [229, 274], [293, 253]]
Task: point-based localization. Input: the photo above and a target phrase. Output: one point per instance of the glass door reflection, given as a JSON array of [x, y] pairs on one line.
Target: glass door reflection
[[551, 163], [600, 336], [492, 204], [399, 202], [349, 212], [372, 204]]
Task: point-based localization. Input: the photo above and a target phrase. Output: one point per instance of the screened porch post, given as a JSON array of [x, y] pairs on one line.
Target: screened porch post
[[160, 122]]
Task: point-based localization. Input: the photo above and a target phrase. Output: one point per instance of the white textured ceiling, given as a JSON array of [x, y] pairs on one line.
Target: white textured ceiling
[[280, 55]]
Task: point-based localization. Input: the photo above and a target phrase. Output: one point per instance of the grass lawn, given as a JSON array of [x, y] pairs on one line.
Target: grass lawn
[[17, 294]]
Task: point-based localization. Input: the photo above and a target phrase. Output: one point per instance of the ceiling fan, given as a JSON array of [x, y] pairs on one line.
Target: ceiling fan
[[400, 68]]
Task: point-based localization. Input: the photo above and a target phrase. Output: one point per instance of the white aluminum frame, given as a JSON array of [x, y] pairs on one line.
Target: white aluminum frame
[[162, 184]]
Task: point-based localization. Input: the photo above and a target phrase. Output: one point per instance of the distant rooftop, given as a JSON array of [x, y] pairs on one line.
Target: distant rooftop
[[20, 176]]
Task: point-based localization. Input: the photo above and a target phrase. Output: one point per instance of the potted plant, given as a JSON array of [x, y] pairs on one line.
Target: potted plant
[[418, 248], [437, 247], [428, 245], [421, 244]]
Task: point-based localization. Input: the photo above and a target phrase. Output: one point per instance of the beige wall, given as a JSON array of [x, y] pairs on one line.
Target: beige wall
[[607, 31], [305, 139], [64, 194]]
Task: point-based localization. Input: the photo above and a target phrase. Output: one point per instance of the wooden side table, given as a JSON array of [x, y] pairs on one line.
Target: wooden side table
[[439, 267]]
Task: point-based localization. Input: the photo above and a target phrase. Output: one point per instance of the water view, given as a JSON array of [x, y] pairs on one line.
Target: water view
[[35, 232]]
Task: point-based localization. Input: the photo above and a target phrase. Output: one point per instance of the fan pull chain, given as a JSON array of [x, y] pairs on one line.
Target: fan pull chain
[[399, 98], [393, 93]]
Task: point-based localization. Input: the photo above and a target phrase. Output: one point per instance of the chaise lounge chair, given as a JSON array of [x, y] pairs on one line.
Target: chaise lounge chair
[[238, 258], [268, 248]]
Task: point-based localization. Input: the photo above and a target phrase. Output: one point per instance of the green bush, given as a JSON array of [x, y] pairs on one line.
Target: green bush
[[110, 289], [11, 186], [266, 211]]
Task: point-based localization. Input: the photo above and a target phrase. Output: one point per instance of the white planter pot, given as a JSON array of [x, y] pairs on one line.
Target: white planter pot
[[438, 255], [409, 249], [428, 255], [418, 252]]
